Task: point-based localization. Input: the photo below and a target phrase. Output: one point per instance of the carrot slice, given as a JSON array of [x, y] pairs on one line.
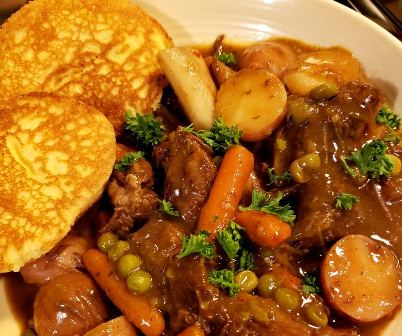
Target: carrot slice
[[192, 331], [227, 190], [263, 229], [359, 277], [136, 308]]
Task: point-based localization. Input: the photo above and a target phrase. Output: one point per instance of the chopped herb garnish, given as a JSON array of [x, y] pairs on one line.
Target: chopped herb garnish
[[277, 178], [168, 208], [144, 129], [246, 261], [127, 160], [310, 285], [230, 239], [345, 201], [220, 137], [392, 136], [370, 160], [226, 57], [224, 279], [387, 117], [197, 244], [260, 201]]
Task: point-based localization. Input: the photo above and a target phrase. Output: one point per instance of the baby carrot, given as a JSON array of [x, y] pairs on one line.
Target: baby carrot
[[136, 308], [192, 331], [263, 229], [227, 190]]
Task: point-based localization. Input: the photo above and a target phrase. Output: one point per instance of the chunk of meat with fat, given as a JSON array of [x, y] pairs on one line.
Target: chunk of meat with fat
[[189, 172], [157, 243], [65, 257], [132, 197], [68, 305]]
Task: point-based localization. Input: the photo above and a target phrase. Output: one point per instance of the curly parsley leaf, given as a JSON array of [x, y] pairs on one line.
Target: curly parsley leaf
[[246, 261], [387, 117], [227, 57], [144, 129], [392, 136], [220, 137], [224, 279], [168, 208], [310, 285], [345, 201], [127, 160], [197, 244], [371, 160], [263, 202], [278, 178], [230, 239]]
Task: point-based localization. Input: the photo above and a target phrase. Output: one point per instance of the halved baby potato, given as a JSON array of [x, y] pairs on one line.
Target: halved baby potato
[[360, 279], [335, 65], [254, 100]]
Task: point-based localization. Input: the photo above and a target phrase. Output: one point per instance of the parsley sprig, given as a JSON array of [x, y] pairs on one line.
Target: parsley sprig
[[224, 278], [371, 160], [226, 57], [168, 208], [144, 129], [345, 201], [276, 179], [246, 261], [219, 137], [197, 244], [230, 239], [127, 161], [310, 285], [387, 117], [260, 201]]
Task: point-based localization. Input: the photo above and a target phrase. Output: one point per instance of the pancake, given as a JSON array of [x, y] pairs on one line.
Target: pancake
[[56, 157], [102, 52]]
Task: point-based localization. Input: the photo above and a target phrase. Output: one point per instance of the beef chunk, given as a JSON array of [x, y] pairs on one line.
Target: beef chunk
[[189, 171], [132, 197]]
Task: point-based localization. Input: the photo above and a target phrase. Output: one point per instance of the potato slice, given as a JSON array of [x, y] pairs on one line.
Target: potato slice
[[334, 65], [191, 80], [254, 100], [118, 326], [360, 278]]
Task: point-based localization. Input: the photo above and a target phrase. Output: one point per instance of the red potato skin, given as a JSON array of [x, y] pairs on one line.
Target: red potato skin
[[360, 279]]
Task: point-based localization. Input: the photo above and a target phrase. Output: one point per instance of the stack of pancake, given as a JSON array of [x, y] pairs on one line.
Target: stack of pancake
[[69, 69]]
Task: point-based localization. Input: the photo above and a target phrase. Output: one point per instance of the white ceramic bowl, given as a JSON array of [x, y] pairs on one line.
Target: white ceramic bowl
[[322, 22]]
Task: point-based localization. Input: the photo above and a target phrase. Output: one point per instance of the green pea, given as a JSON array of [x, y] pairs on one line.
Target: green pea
[[29, 332], [118, 250], [106, 241], [139, 281], [396, 162], [324, 91], [267, 284], [303, 168], [247, 280], [316, 315], [260, 313], [300, 110], [287, 298], [127, 264]]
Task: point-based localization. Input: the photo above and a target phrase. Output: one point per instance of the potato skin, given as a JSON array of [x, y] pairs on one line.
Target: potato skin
[[254, 100], [360, 278]]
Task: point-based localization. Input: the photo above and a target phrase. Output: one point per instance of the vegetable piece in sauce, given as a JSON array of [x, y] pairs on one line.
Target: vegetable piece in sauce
[[227, 58], [254, 100], [144, 129], [310, 285], [387, 117], [190, 78], [359, 277], [224, 279], [219, 137], [275, 178], [371, 160], [118, 326], [197, 244], [127, 160], [263, 202], [230, 239], [246, 260], [345, 201], [168, 208]]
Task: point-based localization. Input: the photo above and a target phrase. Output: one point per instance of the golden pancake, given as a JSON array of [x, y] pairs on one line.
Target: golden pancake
[[56, 157], [102, 52]]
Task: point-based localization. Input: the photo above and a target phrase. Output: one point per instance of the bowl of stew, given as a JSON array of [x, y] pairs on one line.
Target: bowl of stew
[[324, 156]]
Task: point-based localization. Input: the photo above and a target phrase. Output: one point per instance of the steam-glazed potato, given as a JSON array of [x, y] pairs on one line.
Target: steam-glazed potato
[[273, 56], [360, 279], [335, 65], [253, 99]]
